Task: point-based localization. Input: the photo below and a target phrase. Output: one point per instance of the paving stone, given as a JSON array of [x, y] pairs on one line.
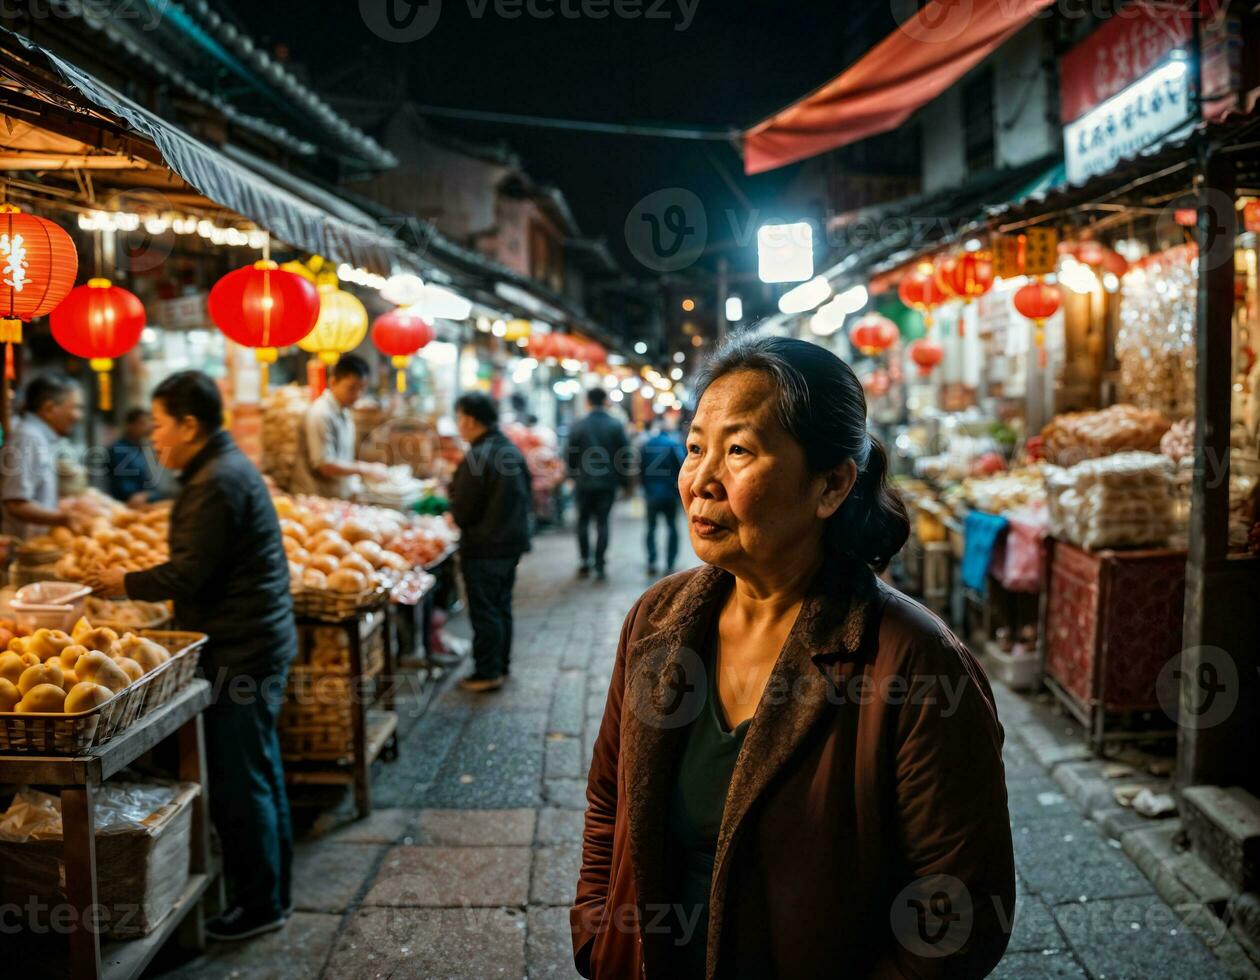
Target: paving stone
[[497, 764], [558, 826], [566, 703], [563, 759], [1137, 938], [1039, 966], [476, 827], [296, 952], [1035, 928], [450, 876], [431, 944], [554, 880], [382, 826], [1037, 798], [329, 877], [403, 782], [549, 945], [1063, 859], [570, 793]]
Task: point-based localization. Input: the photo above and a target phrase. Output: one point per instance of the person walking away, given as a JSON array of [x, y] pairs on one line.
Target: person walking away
[[596, 456], [229, 577], [490, 502], [660, 461], [131, 475], [28, 461], [326, 462]]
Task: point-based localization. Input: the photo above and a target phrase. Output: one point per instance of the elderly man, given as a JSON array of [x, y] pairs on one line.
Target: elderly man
[[28, 462], [325, 459]]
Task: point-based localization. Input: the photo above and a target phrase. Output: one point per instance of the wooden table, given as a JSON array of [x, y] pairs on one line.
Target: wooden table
[[78, 778]]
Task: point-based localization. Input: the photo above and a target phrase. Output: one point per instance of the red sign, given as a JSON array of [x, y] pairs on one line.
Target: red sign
[[1127, 46], [1251, 217]]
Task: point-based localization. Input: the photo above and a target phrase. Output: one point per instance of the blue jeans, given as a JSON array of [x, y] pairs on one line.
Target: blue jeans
[[248, 802], [666, 510]]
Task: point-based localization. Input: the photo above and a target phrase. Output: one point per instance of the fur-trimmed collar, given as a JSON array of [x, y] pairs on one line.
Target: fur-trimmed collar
[[665, 691]]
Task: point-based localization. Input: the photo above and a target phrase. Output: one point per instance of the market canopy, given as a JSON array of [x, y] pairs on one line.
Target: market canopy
[[220, 179], [912, 66]]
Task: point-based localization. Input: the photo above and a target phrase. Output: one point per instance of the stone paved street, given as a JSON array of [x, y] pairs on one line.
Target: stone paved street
[[468, 863]]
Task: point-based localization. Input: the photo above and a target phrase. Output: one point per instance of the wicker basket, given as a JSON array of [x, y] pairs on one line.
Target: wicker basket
[[156, 622], [334, 607], [65, 734], [317, 723]]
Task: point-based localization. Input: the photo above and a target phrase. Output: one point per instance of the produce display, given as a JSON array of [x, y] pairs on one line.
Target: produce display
[[1077, 436], [350, 548], [1119, 501], [132, 540], [1178, 442], [546, 468], [1007, 492], [52, 671], [282, 413], [126, 612]]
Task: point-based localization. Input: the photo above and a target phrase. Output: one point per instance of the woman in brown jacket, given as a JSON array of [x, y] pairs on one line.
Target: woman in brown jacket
[[799, 770]]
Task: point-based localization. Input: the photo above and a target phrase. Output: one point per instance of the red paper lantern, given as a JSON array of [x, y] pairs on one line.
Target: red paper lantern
[[264, 307], [926, 352], [1038, 302], [1095, 253], [968, 276], [99, 321], [876, 384], [38, 264], [873, 334], [400, 334], [920, 291]]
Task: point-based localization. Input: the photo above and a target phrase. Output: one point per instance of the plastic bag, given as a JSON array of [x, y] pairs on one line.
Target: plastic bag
[[118, 807]]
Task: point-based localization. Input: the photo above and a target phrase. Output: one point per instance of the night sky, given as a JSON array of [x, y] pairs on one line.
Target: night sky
[[735, 62]]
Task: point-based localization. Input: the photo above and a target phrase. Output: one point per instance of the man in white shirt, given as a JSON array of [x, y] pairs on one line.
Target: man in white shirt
[[28, 461], [326, 452]]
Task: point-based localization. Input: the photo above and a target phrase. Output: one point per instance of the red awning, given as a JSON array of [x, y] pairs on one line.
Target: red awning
[[913, 65]]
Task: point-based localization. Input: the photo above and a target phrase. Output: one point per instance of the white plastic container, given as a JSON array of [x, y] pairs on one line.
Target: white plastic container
[[49, 605]]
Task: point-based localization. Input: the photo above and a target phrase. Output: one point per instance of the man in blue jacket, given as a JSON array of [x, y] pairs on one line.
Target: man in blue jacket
[[660, 461], [599, 458]]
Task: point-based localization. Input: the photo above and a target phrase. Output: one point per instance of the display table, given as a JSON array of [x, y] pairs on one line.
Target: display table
[[1111, 621], [78, 778]]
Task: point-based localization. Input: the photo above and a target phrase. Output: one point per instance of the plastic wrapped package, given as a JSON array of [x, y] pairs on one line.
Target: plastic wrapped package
[[1117, 501], [143, 834]]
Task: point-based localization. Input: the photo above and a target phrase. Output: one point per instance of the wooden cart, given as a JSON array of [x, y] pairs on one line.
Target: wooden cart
[[78, 778]]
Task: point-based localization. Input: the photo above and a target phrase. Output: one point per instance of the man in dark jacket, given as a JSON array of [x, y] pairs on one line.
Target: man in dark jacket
[[229, 577], [660, 461], [490, 501], [598, 455]]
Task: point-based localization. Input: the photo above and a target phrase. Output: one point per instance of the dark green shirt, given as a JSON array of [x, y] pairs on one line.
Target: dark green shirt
[[695, 816]]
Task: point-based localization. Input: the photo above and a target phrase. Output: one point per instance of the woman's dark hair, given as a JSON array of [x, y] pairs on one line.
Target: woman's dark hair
[[821, 404], [191, 393], [351, 364], [45, 388], [480, 406]]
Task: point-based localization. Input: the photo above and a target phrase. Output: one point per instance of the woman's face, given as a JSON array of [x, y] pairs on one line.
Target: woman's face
[[175, 441], [748, 493]]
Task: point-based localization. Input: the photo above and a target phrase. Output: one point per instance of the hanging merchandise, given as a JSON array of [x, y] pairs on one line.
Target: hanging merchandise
[[873, 334], [99, 322], [39, 266], [1038, 301], [927, 353], [920, 291], [1155, 345], [516, 330], [264, 307], [400, 334], [340, 328], [967, 276]]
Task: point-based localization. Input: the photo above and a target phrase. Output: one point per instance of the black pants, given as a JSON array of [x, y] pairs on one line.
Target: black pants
[[666, 510], [489, 583], [595, 504], [248, 803]]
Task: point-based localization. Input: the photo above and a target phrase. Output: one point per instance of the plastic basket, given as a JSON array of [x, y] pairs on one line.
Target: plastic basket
[[68, 734], [49, 605]]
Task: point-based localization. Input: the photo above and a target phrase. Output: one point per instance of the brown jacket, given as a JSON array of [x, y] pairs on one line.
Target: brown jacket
[[865, 832]]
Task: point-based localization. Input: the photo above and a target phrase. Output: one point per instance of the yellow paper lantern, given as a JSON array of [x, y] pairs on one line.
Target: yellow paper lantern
[[517, 330], [341, 327]]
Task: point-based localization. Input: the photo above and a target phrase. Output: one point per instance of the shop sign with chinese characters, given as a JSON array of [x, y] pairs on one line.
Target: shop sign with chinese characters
[[1141, 116]]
